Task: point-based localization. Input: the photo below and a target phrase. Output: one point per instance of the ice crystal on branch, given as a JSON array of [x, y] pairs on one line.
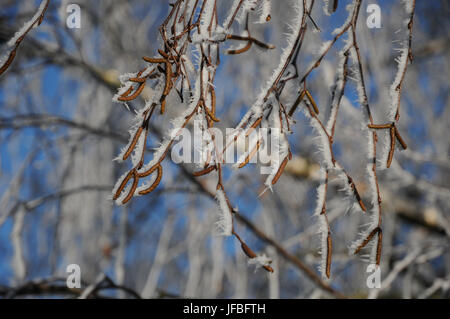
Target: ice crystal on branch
[[10, 50]]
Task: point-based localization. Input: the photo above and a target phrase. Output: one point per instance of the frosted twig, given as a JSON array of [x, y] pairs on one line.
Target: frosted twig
[[14, 43]]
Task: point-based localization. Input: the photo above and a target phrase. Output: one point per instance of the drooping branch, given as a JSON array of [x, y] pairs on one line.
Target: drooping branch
[[14, 43]]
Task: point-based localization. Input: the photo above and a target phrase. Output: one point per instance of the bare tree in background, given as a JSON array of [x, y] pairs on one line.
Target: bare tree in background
[[343, 96]]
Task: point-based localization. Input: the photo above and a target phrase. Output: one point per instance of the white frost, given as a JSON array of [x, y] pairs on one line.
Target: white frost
[[225, 222], [260, 261], [11, 44]]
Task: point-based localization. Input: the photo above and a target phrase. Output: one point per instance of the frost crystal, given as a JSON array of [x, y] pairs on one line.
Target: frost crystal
[[225, 222]]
